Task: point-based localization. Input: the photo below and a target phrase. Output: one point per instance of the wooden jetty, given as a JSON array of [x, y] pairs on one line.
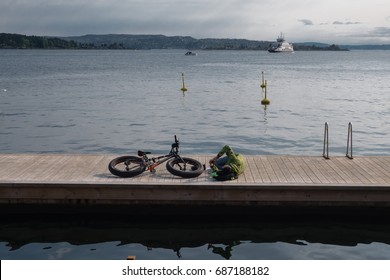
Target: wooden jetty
[[268, 180], [73, 179]]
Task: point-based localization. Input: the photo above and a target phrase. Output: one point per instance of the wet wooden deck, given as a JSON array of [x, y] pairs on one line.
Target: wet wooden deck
[[268, 180]]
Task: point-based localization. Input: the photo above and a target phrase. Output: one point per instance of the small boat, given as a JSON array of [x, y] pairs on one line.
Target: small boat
[[281, 46], [190, 53]]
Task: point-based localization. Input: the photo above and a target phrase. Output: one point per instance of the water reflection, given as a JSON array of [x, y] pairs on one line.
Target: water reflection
[[225, 240], [265, 118], [226, 250]]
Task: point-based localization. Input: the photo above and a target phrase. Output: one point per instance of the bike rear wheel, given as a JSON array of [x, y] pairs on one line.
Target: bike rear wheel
[[185, 167], [126, 166]]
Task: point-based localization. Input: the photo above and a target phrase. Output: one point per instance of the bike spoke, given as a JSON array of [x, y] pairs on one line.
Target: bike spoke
[[179, 166], [184, 166], [131, 165]]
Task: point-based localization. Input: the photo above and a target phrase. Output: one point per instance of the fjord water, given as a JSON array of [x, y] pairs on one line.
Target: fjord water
[[121, 101], [101, 101]]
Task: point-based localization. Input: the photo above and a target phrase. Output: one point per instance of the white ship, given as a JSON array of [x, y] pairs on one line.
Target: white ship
[[281, 46]]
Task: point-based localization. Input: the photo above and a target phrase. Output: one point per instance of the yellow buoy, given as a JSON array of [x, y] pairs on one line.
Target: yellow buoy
[[263, 84], [265, 101], [183, 89]]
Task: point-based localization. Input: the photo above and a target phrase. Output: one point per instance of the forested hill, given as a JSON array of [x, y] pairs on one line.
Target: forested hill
[[17, 41], [118, 41], [115, 41], [126, 42]]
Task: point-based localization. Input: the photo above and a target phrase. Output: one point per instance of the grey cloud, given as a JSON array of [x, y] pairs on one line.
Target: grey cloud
[[168, 17], [336, 22], [346, 23], [306, 21], [377, 35], [380, 32]]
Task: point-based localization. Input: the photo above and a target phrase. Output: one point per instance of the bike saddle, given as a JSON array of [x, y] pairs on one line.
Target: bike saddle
[[142, 153]]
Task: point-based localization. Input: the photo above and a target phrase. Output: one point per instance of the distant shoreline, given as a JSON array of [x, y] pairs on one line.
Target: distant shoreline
[[147, 42]]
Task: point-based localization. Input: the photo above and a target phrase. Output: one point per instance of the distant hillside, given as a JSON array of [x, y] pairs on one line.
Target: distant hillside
[[113, 41], [17, 41], [139, 42], [367, 47], [313, 46]]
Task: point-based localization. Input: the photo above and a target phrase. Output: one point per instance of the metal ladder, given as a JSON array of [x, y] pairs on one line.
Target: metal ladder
[[325, 150], [348, 154]]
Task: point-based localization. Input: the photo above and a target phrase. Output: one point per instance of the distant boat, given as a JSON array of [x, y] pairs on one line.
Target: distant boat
[[190, 53], [281, 46]]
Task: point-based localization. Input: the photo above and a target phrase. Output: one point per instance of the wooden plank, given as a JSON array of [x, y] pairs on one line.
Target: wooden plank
[[378, 168], [95, 173], [278, 169], [345, 173], [338, 175], [261, 170], [351, 169], [384, 162], [252, 167], [286, 168], [10, 165], [331, 171], [269, 170], [371, 173], [311, 170], [56, 168], [300, 168]]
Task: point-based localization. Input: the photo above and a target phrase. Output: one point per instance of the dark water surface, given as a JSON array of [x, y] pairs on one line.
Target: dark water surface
[[75, 237]]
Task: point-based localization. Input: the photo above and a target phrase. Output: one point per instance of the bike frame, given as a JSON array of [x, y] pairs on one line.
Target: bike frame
[[152, 163]]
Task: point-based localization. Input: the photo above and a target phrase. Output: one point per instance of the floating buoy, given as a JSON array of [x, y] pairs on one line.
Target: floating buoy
[[183, 89], [263, 84], [265, 101]]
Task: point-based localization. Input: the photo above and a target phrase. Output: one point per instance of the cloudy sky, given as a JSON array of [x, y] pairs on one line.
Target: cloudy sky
[[327, 21]]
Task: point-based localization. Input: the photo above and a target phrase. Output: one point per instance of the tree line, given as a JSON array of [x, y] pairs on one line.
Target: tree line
[[117, 41], [16, 41]]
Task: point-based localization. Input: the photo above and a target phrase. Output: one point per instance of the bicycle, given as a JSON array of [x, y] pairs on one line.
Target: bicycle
[[130, 166]]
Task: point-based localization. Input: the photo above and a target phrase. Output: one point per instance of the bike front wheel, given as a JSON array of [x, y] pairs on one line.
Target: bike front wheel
[[185, 167], [127, 166]]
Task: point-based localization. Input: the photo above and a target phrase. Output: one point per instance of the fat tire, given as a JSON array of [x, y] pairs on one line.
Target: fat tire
[[195, 171], [112, 166]]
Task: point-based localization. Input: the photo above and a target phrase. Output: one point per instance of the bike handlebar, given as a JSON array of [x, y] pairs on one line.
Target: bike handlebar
[[176, 144]]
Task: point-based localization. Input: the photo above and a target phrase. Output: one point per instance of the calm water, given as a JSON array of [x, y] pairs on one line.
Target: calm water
[[121, 101]]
